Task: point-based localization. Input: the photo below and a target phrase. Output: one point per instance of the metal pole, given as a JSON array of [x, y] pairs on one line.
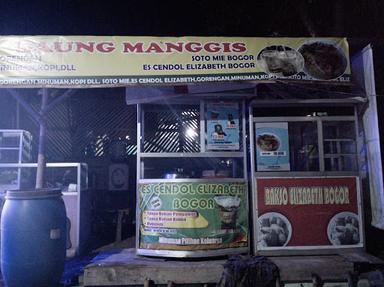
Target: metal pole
[[17, 114], [41, 162]]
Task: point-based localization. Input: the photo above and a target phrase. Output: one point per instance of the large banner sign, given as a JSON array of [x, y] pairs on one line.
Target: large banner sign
[[304, 213], [193, 215], [86, 61]]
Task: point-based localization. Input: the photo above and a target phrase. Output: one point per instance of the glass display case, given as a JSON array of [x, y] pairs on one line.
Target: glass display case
[[305, 180], [66, 176], [314, 144], [177, 144], [15, 147], [192, 167]]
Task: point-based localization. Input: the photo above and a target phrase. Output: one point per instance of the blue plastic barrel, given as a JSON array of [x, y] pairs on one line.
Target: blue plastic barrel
[[33, 239]]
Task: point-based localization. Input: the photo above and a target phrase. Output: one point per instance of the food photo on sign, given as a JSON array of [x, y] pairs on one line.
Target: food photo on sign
[[324, 60], [280, 60], [320, 59], [343, 229], [272, 146], [274, 230], [228, 206]]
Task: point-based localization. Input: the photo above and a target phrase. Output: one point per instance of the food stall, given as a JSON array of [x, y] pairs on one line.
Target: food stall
[[297, 149], [233, 133], [306, 179], [192, 189]]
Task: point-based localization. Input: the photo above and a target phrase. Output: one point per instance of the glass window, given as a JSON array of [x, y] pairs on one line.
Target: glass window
[[339, 146], [303, 146], [339, 129], [193, 167], [171, 130]]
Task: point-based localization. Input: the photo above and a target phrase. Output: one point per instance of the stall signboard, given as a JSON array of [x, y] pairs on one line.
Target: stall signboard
[[110, 61], [272, 146], [305, 213], [223, 126], [189, 216]]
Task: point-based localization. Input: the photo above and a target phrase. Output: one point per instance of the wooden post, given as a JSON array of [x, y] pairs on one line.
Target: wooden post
[[147, 282], [41, 162], [41, 118]]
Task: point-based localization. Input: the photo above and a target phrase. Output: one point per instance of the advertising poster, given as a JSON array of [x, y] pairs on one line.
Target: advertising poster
[[308, 212], [110, 61], [223, 126], [193, 216], [272, 146]]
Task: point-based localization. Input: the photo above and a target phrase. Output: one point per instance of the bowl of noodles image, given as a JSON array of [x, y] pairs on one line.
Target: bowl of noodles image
[[323, 60], [343, 229], [281, 61], [274, 229], [268, 142]]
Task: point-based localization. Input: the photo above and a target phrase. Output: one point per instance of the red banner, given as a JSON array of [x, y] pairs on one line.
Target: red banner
[[296, 212]]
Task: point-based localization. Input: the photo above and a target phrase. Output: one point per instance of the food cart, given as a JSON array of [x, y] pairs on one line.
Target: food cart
[[193, 191], [306, 181], [243, 143]]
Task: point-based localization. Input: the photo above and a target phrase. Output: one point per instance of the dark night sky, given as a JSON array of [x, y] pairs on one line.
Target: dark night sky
[[164, 18]]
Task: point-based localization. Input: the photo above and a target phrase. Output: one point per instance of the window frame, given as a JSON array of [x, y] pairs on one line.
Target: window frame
[[320, 140]]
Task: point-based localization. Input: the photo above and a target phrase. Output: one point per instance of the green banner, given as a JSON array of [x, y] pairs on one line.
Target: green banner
[[193, 215]]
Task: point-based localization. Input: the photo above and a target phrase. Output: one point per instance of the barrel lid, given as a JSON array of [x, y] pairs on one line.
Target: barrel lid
[[33, 193]]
